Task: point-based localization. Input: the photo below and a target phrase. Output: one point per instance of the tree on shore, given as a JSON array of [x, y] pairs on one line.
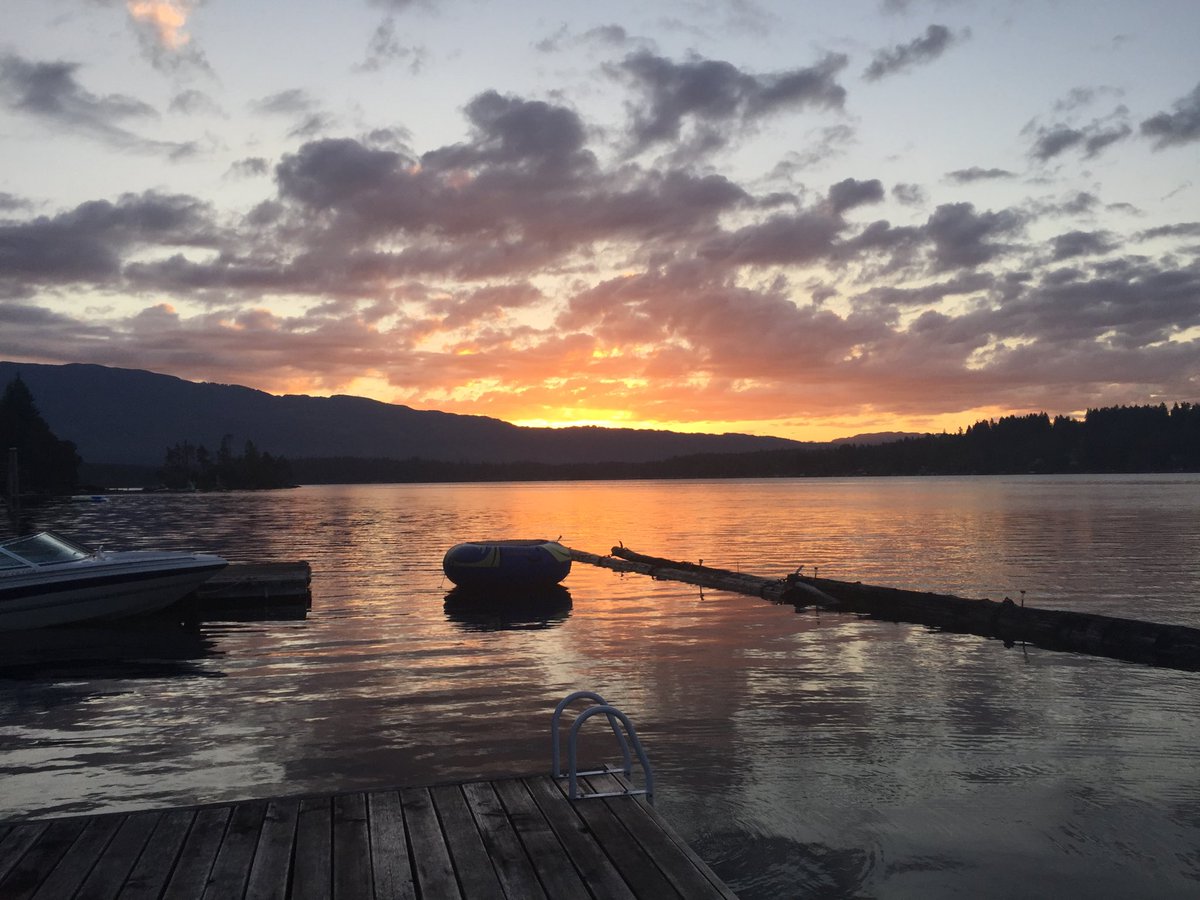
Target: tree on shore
[[45, 464], [187, 466]]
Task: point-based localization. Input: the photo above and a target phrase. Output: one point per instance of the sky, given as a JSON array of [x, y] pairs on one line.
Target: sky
[[802, 219]]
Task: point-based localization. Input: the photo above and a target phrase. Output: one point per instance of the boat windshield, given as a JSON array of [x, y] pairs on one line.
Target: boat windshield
[[39, 550]]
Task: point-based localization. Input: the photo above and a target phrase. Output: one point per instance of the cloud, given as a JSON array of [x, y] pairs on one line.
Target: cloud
[[1082, 243], [849, 193], [936, 40], [384, 49], [90, 242], [250, 167], [908, 194], [50, 92], [523, 264], [975, 173], [602, 36], [1174, 128], [962, 237], [160, 26], [12, 201], [297, 104], [193, 102], [1055, 140], [716, 99]]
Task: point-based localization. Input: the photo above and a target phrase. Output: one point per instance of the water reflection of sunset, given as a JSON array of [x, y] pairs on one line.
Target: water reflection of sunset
[[778, 737]]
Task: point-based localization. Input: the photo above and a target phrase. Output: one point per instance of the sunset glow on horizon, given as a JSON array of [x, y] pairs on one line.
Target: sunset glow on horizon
[[802, 220]]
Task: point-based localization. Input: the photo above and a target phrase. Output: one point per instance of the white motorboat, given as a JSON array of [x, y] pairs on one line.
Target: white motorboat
[[46, 580]]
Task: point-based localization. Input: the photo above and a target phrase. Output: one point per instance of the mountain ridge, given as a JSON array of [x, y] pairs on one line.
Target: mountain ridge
[[130, 416]]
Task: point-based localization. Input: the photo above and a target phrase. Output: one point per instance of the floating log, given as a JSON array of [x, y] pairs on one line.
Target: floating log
[[1169, 646]]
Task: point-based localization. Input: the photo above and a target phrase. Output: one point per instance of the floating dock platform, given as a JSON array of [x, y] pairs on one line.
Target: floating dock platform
[[510, 838], [256, 591]]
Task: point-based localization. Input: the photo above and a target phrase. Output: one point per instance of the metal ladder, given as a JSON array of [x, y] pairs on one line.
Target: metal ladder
[[626, 736]]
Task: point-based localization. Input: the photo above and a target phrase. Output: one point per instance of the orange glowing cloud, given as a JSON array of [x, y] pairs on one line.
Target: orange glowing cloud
[[166, 18]]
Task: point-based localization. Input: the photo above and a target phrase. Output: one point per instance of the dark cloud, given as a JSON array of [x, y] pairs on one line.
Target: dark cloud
[[385, 48], [908, 194], [1080, 97], [975, 173], [502, 250], [292, 102], [542, 138], [825, 144], [1054, 140], [1182, 229], [12, 201], [1125, 303], [962, 237], [1179, 127], [606, 36], [50, 92], [780, 240], [716, 99], [402, 5], [193, 102], [1051, 141], [1082, 243], [297, 104], [936, 40], [850, 193], [971, 283], [250, 167], [90, 242], [1099, 138]]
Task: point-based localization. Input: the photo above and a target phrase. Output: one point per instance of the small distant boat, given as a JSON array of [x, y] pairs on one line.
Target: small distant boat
[[47, 580], [507, 564]]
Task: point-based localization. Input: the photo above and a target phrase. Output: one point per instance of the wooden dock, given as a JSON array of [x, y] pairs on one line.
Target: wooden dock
[[512, 838]]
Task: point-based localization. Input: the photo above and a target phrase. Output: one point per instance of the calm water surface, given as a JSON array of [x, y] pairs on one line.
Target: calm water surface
[[802, 755]]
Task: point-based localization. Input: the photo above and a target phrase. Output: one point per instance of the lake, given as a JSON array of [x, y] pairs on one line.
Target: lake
[[802, 754]]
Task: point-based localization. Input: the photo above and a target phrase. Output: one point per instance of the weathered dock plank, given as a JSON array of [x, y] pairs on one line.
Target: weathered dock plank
[[431, 856], [154, 867], [273, 856], [36, 864], [15, 843], [540, 842], [199, 852], [599, 873], [313, 872], [512, 839], [352, 879], [473, 865], [114, 866], [390, 867], [512, 865], [677, 861], [1152, 643]]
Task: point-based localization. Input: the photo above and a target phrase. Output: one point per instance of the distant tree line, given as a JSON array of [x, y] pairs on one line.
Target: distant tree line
[[45, 464], [192, 467], [1122, 439]]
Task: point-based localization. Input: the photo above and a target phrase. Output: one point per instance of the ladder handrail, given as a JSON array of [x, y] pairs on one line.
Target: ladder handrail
[[573, 738], [555, 752]]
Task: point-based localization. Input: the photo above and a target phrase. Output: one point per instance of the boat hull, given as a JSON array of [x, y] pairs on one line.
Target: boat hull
[[507, 564], [110, 589]]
